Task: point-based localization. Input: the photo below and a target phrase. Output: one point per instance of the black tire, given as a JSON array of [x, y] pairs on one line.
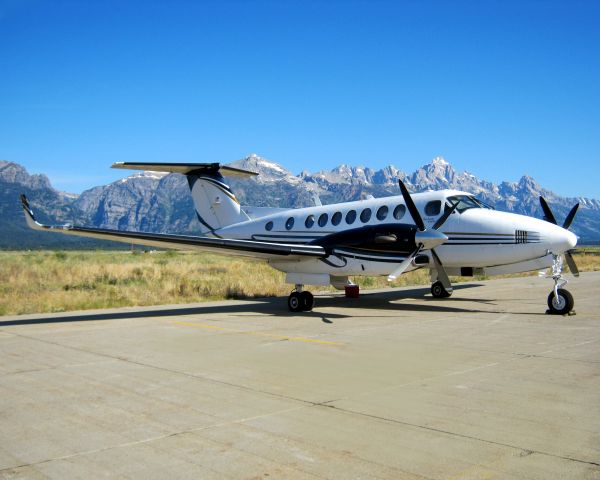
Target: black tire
[[438, 290], [563, 305], [295, 302], [307, 301]]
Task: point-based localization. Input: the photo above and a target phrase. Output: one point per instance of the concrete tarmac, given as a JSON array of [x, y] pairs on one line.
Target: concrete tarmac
[[393, 385]]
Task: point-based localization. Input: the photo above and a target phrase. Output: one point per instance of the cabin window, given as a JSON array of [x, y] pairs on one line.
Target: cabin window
[[310, 221], [433, 208], [382, 212], [350, 217], [323, 219], [269, 226], [365, 215], [399, 211], [337, 218], [289, 223]]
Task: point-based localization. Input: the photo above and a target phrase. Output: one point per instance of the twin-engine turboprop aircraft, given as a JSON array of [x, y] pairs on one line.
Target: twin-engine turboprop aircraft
[[448, 231]]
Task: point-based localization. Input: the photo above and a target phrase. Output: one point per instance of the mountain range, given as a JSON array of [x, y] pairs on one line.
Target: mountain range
[[158, 202]]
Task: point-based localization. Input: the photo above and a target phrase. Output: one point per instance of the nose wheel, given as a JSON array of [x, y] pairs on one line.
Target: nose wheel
[[300, 301], [438, 290], [560, 300]]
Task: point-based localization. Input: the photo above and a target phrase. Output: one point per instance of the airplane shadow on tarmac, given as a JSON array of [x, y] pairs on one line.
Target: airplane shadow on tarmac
[[388, 300]]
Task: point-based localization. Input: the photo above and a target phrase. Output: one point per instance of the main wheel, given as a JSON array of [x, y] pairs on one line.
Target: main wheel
[[307, 301], [438, 290], [295, 302], [561, 304]]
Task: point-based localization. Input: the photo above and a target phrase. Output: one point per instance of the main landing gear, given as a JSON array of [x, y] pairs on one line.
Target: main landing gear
[[300, 301], [438, 290], [560, 300]]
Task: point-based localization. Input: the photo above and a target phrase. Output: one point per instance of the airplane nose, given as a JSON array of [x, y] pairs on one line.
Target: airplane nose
[[571, 239], [561, 240]]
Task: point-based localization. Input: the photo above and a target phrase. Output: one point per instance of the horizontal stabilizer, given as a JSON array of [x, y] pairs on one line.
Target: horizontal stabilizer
[[186, 168]]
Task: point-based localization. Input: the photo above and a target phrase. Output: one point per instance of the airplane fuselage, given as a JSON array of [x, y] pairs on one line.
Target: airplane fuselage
[[479, 238]]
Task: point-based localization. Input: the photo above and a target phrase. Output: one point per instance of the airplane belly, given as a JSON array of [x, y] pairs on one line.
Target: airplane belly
[[338, 265]]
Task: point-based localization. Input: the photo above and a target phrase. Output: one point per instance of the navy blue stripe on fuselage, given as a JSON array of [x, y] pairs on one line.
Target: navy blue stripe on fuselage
[[455, 239]]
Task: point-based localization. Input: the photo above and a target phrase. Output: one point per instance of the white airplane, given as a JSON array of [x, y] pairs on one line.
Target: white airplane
[[448, 231]]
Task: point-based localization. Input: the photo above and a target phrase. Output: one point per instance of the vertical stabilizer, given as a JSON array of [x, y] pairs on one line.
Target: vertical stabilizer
[[215, 203]]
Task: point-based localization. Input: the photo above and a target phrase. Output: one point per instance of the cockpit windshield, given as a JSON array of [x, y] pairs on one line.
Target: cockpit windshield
[[465, 202]]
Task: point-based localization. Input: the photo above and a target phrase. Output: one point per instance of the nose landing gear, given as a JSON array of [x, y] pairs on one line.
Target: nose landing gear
[[300, 301], [439, 291], [560, 300]]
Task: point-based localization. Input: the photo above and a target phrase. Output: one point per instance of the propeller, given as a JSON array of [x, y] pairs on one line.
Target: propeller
[[571, 263], [570, 217], [425, 239], [549, 217]]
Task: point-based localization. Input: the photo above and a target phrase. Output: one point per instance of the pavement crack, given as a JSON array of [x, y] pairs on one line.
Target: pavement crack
[[524, 451], [174, 372], [155, 438]]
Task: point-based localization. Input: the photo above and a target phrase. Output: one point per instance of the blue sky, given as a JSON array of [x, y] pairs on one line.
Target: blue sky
[[498, 88]]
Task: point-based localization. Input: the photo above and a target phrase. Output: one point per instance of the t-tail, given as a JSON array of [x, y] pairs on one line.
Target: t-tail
[[215, 203]]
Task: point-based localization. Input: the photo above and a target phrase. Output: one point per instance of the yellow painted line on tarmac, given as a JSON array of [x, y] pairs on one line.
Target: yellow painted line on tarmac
[[260, 334]]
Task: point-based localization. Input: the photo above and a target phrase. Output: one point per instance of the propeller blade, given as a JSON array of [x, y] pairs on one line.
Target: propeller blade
[[444, 217], [412, 208], [570, 217], [403, 266], [548, 216], [571, 263], [441, 272]]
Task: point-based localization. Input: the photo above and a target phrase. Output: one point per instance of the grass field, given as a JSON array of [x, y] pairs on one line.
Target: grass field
[[56, 281]]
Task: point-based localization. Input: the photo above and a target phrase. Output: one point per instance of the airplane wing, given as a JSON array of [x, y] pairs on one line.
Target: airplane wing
[[246, 248]]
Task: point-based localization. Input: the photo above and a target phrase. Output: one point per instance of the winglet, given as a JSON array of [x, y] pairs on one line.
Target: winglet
[[32, 222], [29, 216], [24, 201]]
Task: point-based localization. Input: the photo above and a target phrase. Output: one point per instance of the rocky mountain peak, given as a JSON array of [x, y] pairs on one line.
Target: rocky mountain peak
[[436, 174], [11, 172], [267, 170], [529, 184]]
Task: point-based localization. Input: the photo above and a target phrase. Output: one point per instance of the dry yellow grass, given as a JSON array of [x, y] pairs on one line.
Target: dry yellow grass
[[36, 282]]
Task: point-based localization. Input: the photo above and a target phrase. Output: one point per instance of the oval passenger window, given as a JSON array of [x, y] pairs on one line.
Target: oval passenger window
[[433, 208], [323, 220], [337, 218], [365, 215], [382, 212], [399, 212], [350, 217]]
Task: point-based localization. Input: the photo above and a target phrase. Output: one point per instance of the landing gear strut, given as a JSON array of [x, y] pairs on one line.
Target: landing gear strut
[[300, 301], [560, 300], [438, 290]]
